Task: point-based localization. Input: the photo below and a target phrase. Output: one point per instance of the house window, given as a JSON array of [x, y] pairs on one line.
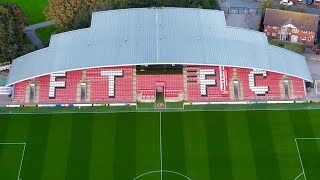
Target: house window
[[303, 38], [309, 38], [274, 27], [310, 32], [268, 33], [304, 31], [295, 30], [274, 34]]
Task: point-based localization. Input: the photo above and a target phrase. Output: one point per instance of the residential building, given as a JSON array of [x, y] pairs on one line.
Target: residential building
[[316, 2], [291, 26]]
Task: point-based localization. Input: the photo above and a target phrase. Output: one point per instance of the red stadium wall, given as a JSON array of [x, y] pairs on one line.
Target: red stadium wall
[[197, 83]]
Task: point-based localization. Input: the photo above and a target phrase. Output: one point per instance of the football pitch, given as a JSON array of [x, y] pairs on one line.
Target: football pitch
[[197, 145]]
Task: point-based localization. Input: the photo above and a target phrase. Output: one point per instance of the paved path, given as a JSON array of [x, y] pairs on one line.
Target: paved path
[[30, 31]]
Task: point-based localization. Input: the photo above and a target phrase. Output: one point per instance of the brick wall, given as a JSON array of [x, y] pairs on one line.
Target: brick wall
[[306, 37]]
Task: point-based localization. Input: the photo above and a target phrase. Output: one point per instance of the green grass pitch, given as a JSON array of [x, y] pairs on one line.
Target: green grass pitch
[[207, 145]]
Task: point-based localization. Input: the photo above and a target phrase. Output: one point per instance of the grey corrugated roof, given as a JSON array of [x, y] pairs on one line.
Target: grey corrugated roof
[[158, 36], [304, 21]]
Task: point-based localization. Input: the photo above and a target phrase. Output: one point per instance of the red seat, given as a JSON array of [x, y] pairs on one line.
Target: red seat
[[99, 85], [214, 93], [172, 83]]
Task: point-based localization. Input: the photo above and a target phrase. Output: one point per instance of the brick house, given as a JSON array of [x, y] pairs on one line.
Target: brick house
[[291, 26], [316, 2]]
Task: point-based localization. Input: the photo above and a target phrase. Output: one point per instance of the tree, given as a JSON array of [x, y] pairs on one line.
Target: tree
[[283, 7], [264, 5], [73, 14], [12, 23]]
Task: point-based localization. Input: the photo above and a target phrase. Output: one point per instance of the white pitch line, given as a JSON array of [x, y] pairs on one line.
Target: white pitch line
[[160, 147], [24, 148], [307, 138], [12, 143], [303, 172], [166, 171], [22, 156], [298, 176], [168, 110]]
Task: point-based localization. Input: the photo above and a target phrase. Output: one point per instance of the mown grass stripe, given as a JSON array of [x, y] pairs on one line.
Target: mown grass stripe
[[103, 143], [17, 129], [125, 147], [265, 156], [14, 129], [218, 145], [34, 156], [173, 147], [58, 144], [310, 157], [196, 151], [241, 152], [80, 147], [314, 117], [147, 143], [3, 129], [4, 120], [10, 161], [309, 151], [301, 123], [285, 147]]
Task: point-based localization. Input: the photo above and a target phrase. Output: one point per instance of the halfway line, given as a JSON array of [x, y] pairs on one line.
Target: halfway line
[[160, 147]]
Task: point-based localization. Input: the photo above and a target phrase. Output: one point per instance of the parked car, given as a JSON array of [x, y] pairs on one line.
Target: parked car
[[286, 2], [309, 2]]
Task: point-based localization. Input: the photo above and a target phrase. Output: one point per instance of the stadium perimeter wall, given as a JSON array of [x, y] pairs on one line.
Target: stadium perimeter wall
[[131, 107]]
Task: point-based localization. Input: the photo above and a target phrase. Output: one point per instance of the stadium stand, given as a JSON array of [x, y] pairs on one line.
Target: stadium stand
[[20, 91], [145, 52], [147, 85], [203, 83], [259, 84], [59, 87], [110, 84], [298, 87], [207, 83]]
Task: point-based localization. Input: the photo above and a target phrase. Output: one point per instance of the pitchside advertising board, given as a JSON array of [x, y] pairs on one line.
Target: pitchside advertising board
[[5, 90], [204, 81]]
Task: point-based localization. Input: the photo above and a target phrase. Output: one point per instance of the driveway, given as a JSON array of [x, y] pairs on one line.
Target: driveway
[[310, 9], [241, 3], [247, 21]]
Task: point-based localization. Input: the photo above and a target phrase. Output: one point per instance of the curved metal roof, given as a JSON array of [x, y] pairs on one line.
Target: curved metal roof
[[158, 36]]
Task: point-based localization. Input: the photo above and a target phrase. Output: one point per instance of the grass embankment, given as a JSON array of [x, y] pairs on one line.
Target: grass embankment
[[298, 48]]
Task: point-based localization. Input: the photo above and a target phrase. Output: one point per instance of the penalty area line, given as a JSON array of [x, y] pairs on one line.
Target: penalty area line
[[303, 172], [296, 140], [22, 155], [298, 176], [21, 162]]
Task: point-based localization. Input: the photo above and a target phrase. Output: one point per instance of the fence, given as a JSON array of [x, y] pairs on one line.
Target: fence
[[243, 10]]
